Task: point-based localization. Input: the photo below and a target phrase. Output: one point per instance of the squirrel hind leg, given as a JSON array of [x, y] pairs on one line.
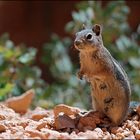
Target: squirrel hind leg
[[116, 117]]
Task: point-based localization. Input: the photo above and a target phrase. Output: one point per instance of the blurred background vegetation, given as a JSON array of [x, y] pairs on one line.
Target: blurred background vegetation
[[19, 71]]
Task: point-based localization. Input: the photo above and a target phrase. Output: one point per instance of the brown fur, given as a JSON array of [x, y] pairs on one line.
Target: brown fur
[[109, 94]]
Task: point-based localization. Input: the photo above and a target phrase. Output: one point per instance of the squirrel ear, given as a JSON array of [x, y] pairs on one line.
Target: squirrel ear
[[97, 29], [83, 26]]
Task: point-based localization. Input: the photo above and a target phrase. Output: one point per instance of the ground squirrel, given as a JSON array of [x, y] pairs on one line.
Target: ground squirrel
[[109, 83]]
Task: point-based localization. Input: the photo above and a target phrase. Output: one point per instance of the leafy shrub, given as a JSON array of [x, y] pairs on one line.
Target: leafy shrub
[[17, 72]]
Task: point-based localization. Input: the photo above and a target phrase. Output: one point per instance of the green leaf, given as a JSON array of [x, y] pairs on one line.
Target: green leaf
[[9, 44], [28, 57], [135, 62], [6, 89]]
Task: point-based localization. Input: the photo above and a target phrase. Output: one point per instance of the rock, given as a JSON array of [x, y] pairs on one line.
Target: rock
[[2, 128], [113, 136], [99, 132], [116, 129], [134, 128], [42, 125], [104, 129], [130, 137], [39, 113], [129, 123], [86, 122], [94, 114], [7, 113], [127, 133], [136, 123], [137, 134], [107, 135], [2, 117], [88, 135], [63, 121], [135, 118], [35, 134], [120, 136], [32, 125], [21, 103], [67, 110], [89, 120], [23, 124]]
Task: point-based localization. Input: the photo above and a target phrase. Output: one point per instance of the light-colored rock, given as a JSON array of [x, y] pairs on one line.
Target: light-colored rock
[[116, 129], [21, 103], [7, 113], [35, 133], [39, 113], [66, 110], [134, 128], [2, 128], [137, 134]]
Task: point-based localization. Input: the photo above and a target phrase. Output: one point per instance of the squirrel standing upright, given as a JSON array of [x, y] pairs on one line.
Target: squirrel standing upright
[[109, 82]]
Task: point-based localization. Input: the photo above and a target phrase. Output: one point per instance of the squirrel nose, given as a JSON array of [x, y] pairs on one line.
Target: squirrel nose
[[77, 42]]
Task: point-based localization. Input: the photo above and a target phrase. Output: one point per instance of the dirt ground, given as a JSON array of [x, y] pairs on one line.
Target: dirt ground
[[17, 121]]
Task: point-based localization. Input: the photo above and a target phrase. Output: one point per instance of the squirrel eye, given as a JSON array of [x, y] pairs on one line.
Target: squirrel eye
[[89, 36]]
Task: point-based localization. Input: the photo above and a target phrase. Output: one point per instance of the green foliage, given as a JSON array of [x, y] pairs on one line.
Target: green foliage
[[117, 37], [17, 72]]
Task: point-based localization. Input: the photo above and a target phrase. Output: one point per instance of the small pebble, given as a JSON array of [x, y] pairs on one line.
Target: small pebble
[[137, 134]]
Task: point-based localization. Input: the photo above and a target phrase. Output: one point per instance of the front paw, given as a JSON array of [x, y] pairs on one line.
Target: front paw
[[80, 75]]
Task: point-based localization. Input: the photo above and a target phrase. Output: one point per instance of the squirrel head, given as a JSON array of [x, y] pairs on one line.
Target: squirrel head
[[88, 38]]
